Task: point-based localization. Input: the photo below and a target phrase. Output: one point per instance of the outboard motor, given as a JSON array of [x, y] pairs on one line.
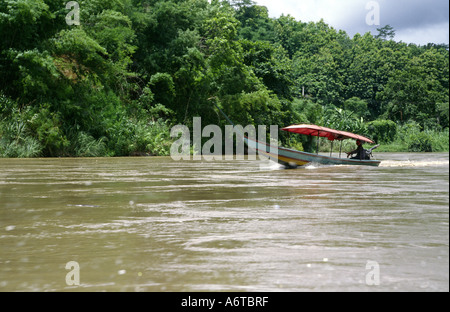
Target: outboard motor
[[369, 154]]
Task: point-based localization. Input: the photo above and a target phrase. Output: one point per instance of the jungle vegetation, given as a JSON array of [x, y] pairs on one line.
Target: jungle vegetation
[[115, 84]]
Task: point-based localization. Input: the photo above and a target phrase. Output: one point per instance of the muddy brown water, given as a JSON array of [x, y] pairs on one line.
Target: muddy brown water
[[153, 224]]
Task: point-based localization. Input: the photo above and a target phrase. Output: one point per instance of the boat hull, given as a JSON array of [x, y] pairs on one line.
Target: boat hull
[[293, 158]]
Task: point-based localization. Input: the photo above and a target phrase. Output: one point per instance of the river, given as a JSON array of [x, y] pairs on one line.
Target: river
[[153, 224]]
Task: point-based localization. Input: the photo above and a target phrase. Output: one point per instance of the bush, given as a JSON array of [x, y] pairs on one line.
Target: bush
[[420, 142], [383, 131], [16, 140], [155, 137], [87, 146], [25, 148], [16, 137], [411, 138], [6, 106], [131, 137], [46, 127], [440, 141]]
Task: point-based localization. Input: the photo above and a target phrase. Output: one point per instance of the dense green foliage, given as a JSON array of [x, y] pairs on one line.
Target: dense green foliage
[[115, 84]]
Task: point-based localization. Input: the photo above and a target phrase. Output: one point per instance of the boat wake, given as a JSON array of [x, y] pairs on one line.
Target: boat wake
[[270, 166], [389, 164], [414, 163], [312, 166], [273, 166]]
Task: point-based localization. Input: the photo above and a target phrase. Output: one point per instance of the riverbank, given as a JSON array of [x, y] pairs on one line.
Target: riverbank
[[153, 139], [426, 141]]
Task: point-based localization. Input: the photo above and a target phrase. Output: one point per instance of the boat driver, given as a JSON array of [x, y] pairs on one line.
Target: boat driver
[[359, 151]]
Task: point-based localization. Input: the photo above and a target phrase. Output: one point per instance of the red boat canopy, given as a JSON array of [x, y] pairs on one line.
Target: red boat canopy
[[331, 134]]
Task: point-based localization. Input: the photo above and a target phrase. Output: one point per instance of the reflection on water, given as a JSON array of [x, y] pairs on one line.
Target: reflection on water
[[151, 224]]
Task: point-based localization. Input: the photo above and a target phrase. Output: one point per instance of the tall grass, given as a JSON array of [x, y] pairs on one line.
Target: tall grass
[[131, 137], [16, 140], [412, 139], [87, 146], [440, 140]]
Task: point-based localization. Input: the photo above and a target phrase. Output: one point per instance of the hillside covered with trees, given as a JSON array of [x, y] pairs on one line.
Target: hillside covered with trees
[[115, 84]]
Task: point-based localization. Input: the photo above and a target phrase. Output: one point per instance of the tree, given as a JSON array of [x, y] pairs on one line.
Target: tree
[[413, 93], [271, 65], [320, 77], [357, 106], [255, 22], [385, 33]]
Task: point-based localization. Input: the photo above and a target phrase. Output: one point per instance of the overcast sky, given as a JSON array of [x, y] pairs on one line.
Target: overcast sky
[[415, 21]]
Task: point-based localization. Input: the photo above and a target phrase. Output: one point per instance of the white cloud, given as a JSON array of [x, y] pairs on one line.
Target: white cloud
[[331, 11], [434, 33], [415, 21]]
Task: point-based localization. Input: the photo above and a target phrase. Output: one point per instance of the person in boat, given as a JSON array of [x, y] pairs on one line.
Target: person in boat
[[360, 152]]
